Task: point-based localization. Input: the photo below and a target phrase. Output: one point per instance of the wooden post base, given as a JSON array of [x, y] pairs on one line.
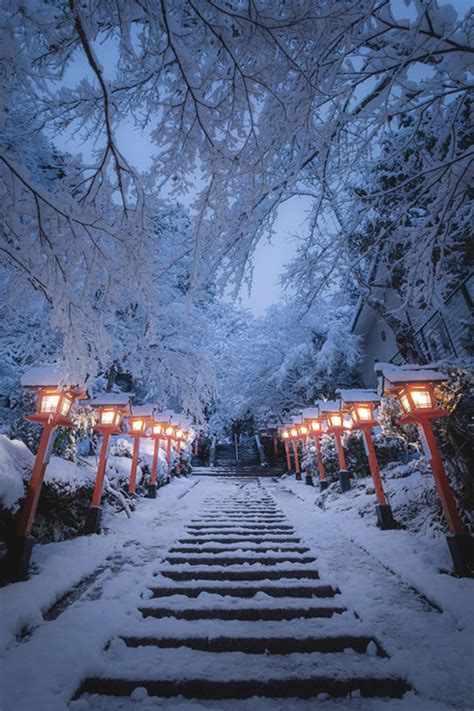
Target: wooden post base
[[93, 519], [17, 559]]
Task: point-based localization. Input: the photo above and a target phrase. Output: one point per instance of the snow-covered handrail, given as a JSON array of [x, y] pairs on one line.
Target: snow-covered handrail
[[212, 452], [261, 453]]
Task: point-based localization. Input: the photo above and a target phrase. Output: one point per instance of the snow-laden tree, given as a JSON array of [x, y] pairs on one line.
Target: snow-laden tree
[[285, 359], [251, 102]]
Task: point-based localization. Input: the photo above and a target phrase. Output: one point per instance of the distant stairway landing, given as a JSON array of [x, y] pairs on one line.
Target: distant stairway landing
[[245, 455]]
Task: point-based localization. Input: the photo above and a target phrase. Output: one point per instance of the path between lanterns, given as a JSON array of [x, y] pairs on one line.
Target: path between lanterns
[[238, 594]]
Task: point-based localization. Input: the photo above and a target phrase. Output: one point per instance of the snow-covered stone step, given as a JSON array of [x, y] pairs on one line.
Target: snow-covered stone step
[[344, 623], [230, 600], [238, 557], [244, 574], [241, 539], [240, 548], [207, 675], [238, 527], [271, 588], [241, 613], [263, 644]]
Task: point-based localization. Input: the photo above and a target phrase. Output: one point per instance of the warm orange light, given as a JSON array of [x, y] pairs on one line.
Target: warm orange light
[[169, 431], [107, 417], [157, 429], [179, 434], [294, 432], [138, 425], [335, 419], [303, 429], [285, 434], [363, 412], [405, 403], [316, 426], [49, 403], [421, 398]]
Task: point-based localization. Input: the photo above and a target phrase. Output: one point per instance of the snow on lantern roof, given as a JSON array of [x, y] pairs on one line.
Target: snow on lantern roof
[[400, 374], [50, 376], [163, 416], [176, 419], [111, 400], [359, 395], [143, 410], [329, 405], [310, 413]]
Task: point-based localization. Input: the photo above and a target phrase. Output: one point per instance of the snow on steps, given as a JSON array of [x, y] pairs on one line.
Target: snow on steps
[[215, 618]]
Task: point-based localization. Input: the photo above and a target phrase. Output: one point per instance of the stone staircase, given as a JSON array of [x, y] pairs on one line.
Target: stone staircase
[[248, 454], [237, 610]]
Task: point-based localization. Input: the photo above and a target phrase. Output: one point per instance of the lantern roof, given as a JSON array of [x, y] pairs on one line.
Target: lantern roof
[[50, 376], [111, 400], [310, 413], [359, 396], [297, 420], [163, 417], [394, 375], [329, 405], [143, 410]]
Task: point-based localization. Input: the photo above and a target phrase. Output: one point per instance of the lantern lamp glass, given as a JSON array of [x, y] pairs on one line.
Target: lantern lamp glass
[[303, 430], [179, 434], [157, 429], [421, 398], [169, 431], [405, 402], [65, 406], [49, 403], [364, 413], [335, 420], [294, 433], [107, 417], [285, 434], [315, 426], [137, 425]]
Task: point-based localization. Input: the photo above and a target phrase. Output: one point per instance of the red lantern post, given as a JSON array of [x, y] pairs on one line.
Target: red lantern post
[[315, 424], [415, 389], [303, 431], [294, 439], [111, 408], [54, 402], [141, 417], [285, 435], [361, 404], [169, 435], [335, 426]]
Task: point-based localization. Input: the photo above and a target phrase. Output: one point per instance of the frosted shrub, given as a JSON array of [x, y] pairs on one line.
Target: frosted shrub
[[121, 448]]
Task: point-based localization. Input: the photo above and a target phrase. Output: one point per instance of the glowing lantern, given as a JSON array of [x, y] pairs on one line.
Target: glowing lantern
[[141, 417], [111, 407], [56, 396], [415, 388], [335, 426], [361, 404]]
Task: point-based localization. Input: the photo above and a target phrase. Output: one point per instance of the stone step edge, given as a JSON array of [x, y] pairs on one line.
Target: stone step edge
[[292, 687]]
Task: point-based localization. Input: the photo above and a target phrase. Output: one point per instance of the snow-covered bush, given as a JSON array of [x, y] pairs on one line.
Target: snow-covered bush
[[121, 448]]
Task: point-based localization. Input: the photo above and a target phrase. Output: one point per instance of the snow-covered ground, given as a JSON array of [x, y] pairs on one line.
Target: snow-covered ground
[[390, 580]]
